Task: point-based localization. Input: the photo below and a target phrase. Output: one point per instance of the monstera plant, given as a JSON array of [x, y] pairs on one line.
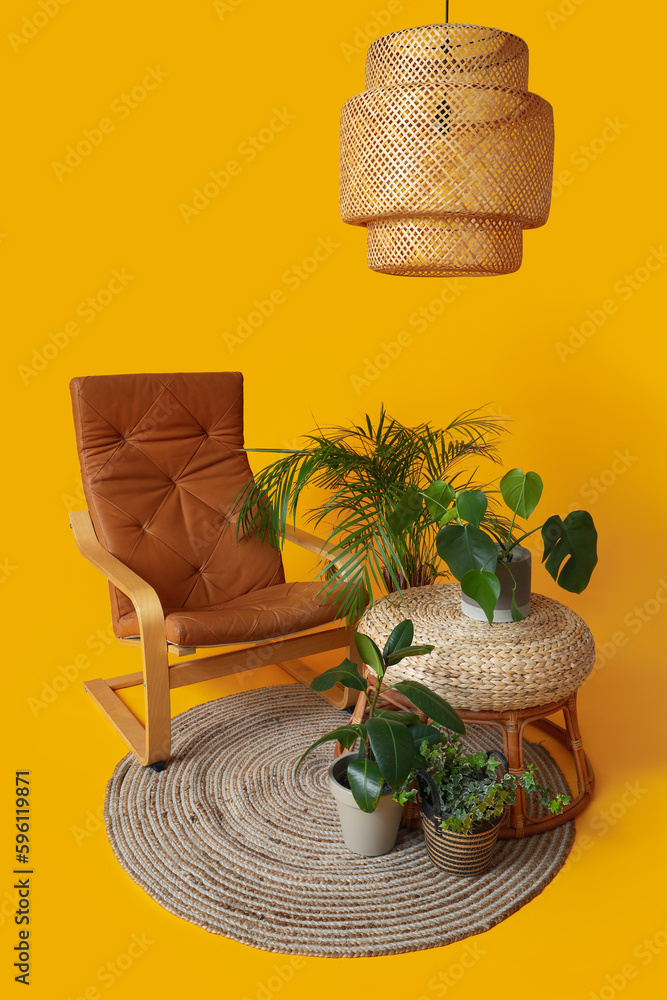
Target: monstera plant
[[484, 555]]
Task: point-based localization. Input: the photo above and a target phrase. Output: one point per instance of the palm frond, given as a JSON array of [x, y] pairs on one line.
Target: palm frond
[[364, 470]]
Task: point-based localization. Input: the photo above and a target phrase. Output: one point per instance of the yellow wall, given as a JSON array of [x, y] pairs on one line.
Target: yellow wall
[[589, 419]]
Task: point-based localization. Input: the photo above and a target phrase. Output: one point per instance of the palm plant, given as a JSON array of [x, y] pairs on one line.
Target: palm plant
[[386, 488]]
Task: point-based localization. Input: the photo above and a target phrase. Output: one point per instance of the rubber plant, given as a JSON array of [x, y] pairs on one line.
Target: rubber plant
[[472, 538], [372, 474], [389, 741]]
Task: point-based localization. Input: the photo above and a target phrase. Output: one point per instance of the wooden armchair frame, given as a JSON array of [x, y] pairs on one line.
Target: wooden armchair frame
[[151, 742]]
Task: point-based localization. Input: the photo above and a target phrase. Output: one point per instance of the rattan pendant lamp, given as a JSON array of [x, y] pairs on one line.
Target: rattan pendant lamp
[[446, 157]]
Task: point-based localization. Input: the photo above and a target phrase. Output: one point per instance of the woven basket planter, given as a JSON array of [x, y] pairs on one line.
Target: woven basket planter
[[457, 853], [446, 157], [460, 853]]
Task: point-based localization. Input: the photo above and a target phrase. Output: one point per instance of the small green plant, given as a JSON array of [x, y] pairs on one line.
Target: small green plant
[[468, 786], [389, 741], [472, 538]]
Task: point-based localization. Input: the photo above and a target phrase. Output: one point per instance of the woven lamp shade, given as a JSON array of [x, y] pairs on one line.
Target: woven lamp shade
[[446, 157]]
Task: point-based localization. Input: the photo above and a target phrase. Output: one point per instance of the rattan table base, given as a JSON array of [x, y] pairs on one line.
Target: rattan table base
[[509, 676], [512, 724]]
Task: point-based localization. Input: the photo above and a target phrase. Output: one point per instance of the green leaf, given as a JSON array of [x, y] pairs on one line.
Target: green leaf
[[471, 505], [573, 540], [400, 654], [465, 547], [346, 673], [405, 718], [420, 733], [449, 516], [432, 705], [365, 780], [359, 472], [484, 588], [438, 497], [406, 511], [392, 748], [347, 735], [369, 653], [399, 637], [521, 492], [516, 614]]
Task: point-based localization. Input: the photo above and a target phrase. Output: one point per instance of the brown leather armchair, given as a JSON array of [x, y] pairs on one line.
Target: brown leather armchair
[[162, 463]]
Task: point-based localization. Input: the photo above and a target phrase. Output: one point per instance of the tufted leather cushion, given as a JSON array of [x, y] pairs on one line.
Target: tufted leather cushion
[[161, 468], [261, 614]]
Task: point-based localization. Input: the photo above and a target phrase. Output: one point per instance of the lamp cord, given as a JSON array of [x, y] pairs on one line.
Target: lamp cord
[[446, 11]]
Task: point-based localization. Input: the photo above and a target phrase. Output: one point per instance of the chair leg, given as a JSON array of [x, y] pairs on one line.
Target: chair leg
[[158, 703], [150, 743]]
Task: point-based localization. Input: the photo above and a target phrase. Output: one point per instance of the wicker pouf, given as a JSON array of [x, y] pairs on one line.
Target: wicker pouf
[[481, 667], [506, 675]]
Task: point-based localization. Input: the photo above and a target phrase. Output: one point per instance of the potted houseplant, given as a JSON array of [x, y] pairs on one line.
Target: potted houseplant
[[485, 555], [362, 782], [374, 475], [464, 801]]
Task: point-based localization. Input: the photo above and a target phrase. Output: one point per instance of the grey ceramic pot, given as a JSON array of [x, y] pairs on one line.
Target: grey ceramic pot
[[518, 569], [368, 834]]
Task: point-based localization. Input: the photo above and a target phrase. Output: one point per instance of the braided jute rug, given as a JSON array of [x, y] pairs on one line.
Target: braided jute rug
[[227, 838]]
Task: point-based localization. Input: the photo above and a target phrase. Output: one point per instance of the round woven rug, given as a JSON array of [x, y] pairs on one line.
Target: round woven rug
[[227, 838]]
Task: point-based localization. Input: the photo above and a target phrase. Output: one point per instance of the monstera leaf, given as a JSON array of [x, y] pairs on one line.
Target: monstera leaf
[[406, 511], [464, 547], [484, 588], [438, 497], [471, 505], [521, 492], [574, 541]]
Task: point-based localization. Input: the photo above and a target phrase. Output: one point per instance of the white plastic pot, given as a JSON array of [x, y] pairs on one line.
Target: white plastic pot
[[368, 834]]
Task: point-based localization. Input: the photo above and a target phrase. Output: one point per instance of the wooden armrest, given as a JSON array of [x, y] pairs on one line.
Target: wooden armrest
[[142, 595], [307, 541], [151, 743], [314, 544]]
